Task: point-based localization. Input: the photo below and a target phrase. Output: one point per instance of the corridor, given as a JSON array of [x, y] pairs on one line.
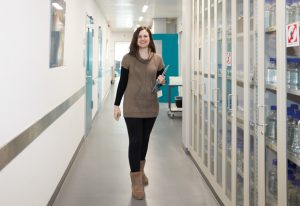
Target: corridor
[[100, 173]]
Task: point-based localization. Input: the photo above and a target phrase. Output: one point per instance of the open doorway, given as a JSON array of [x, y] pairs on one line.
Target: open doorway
[[121, 48]]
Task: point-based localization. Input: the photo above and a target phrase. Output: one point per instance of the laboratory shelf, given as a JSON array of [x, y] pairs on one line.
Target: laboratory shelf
[[291, 156]]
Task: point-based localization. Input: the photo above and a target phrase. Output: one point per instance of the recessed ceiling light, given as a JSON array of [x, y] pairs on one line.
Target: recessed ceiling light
[[145, 7], [141, 18], [57, 6]]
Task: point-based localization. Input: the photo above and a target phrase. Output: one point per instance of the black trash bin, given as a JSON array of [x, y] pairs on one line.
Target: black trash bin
[[178, 101]]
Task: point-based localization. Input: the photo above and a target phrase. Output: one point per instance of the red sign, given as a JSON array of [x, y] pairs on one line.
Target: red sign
[[292, 35], [228, 58]]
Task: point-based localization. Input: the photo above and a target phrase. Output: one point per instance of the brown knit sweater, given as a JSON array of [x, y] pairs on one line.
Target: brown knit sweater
[[139, 100]]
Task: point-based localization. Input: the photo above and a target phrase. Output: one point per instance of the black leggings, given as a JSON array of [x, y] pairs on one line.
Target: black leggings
[[139, 130]]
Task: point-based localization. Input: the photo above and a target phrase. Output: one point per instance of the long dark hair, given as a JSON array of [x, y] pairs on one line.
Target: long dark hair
[[134, 48]]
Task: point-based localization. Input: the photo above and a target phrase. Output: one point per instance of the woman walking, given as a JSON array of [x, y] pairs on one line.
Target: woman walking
[[141, 68]]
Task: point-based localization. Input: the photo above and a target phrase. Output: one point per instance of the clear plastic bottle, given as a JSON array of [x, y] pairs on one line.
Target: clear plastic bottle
[[271, 129], [272, 184]]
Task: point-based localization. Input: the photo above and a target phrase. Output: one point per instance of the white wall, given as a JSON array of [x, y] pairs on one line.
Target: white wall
[[159, 26], [29, 90], [108, 65], [179, 24], [171, 27]]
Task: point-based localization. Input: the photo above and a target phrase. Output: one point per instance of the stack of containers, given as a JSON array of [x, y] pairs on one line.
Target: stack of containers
[[293, 114]]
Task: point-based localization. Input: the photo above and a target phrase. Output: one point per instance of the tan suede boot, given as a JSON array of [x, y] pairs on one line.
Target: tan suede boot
[[145, 178], [137, 185]]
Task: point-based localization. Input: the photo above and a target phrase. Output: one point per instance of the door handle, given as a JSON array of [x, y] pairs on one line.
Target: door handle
[[229, 106]]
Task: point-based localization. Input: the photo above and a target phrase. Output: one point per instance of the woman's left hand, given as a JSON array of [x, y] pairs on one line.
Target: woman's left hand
[[161, 79]]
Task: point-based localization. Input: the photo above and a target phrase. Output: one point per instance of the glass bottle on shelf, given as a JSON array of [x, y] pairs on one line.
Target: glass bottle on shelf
[[288, 11], [240, 156], [297, 10], [294, 10], [295, 140], [271, 129], [228, 31], [288, 73], [271, 72], [267, 13], [293, 74], [290, 125], [272, 14], [272, 184]]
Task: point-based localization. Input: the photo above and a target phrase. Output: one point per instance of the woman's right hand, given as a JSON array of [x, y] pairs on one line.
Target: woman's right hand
[[161, 79], [117, 113]]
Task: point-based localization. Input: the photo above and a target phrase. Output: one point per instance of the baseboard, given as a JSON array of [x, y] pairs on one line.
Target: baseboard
[[59, 185], [205, 179]]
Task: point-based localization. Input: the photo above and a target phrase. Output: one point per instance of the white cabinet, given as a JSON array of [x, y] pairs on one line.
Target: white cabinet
[[246, 97]]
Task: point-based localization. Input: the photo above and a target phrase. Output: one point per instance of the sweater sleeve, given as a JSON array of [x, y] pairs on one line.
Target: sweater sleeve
[[160, 72], [122, 85]]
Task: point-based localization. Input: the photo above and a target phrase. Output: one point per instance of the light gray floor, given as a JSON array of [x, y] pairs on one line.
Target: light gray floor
[[100, 173]]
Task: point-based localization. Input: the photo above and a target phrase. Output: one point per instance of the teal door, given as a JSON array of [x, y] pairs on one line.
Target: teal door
[[168, 46], [89, 75]]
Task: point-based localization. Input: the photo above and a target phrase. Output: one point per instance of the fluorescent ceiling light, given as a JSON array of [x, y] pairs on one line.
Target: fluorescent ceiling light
[[141, 18], [145, 7], [57, 6]]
